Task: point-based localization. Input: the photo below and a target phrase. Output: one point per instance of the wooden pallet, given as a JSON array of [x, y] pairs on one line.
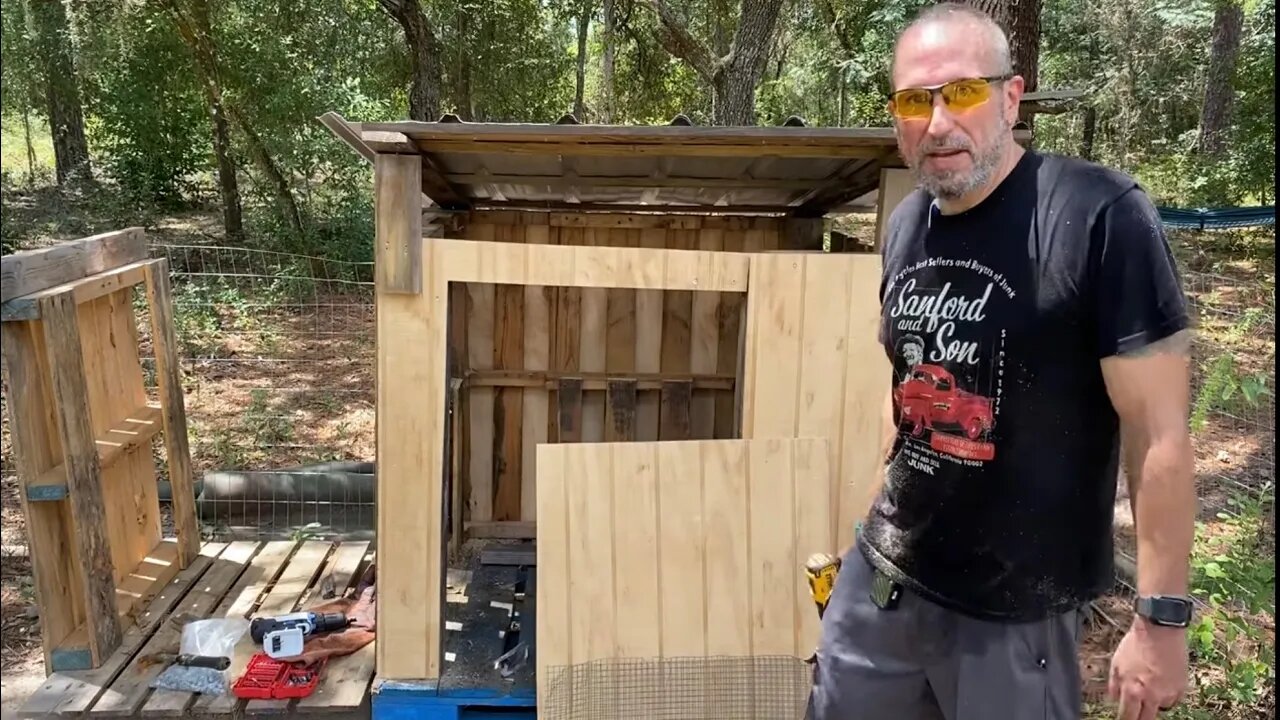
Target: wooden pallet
[[233, 580]]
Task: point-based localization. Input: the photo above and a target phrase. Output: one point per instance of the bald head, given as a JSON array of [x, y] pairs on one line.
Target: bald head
[[948, 27]]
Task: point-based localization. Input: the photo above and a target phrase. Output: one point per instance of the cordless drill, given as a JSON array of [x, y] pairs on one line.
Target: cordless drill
[[283, 635]]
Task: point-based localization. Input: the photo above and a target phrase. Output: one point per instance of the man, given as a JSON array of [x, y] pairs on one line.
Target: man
[[1054, 327]]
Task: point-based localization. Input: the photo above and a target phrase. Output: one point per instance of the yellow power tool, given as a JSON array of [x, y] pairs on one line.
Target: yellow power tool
[[822, 570]]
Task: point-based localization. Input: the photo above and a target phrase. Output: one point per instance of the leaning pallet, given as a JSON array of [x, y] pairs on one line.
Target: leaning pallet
[[82, 426]]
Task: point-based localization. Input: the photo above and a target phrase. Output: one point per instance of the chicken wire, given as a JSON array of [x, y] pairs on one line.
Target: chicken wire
[[277, 353], [714, 688]]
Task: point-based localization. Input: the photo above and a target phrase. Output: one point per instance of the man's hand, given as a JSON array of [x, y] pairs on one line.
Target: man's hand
[[1148, 670]]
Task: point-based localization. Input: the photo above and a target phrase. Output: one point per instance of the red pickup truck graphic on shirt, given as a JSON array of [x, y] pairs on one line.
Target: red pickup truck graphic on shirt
[[929, 396]]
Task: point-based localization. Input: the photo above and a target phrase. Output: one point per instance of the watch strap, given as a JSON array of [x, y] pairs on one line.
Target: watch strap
[[1165, 610]]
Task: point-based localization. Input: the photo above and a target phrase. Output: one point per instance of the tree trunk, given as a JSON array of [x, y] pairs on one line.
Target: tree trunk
[[31, 148], [733, 78], [1021, 22], [62, 91], [228, 187], [607, 97], [1219, 91], [466, 106], [1090, 131], [579, 107], [424, 94], [192, 21]]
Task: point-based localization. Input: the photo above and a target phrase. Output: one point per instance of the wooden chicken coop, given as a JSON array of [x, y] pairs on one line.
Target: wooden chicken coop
[[545, 285]]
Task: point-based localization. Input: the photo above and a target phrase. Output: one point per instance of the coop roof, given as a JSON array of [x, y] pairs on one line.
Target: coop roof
[[802, 171]]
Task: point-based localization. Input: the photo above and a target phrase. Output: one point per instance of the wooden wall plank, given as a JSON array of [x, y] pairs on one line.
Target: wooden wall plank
[[728, 517], [798, 363], [481, 301], [682, 542], [621, 411], [649, 313], [594, 344], [591, 266], [569, 410], [84, 476], [634, 528], [677, 315], [508, 405], [676, 417], [704, 335], [554, 627], [538, 303]]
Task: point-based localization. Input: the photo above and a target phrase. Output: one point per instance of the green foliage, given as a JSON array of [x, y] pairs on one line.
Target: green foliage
[[1225, 386], [150, 127], [1233, 572]]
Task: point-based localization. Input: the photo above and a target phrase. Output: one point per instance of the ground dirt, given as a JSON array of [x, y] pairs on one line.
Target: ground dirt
[[311, 363]]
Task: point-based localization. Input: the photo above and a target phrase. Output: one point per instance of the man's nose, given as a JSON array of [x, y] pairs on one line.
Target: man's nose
[[940, 121]]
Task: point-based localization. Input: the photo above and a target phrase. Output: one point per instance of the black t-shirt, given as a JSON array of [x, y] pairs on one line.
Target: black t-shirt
[[999, 489]]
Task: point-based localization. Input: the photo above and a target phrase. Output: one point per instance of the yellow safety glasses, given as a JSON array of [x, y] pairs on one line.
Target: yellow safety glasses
[[959, 95]]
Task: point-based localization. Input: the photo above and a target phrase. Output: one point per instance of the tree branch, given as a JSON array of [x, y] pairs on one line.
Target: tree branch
[[678, 41]]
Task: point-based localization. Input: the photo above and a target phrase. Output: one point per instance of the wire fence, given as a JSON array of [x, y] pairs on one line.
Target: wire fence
[[278, 361], [1233, 564], [278, 365]]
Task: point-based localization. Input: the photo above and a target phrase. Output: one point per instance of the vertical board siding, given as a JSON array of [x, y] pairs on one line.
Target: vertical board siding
[[618, 331], [686, 549], [813, 366]]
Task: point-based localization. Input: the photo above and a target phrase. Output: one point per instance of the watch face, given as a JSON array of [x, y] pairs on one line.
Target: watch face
[[1161, 610]]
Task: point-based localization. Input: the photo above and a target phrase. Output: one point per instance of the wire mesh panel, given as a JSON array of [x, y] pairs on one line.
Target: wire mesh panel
[[278, 361], [1233, 562], [709, 688]]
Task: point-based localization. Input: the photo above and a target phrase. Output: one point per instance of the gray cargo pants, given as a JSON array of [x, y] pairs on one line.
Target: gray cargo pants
[[923, 662]]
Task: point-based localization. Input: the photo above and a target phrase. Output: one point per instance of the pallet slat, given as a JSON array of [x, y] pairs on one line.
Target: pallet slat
[[72, 693], [131, 688]]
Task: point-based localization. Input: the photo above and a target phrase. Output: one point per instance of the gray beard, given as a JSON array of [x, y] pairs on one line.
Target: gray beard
[[955, 185]]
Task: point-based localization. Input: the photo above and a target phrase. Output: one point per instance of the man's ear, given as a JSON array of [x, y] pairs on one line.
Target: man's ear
[[1013, 89]]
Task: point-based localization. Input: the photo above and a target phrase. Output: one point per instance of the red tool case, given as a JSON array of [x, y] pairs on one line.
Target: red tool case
[[267, 679]]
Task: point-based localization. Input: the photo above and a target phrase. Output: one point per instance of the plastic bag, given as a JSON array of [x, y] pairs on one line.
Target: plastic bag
[[213, 638]]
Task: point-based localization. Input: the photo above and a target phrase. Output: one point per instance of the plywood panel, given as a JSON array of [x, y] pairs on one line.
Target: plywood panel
[[677, 549], [813, 366]]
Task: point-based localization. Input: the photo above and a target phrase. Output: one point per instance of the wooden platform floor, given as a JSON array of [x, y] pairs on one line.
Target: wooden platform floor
[[233, 580]]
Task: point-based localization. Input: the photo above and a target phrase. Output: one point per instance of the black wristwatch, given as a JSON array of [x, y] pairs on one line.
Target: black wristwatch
[[1164, 610]]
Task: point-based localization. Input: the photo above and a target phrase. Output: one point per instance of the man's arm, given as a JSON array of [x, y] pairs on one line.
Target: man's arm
[[1150, 390]]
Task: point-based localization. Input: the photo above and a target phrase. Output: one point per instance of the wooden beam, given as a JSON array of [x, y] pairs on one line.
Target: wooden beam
[[593, 380], [83, 290], [84, 474], [31, 271], [761, 137], [486, 147], [398, 210], [853, 181], [604, 207], [629, 181], [343, 130], [506, 530], [895, 185], [132, 431], [590, 266], [173, 404], [801, 234]]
